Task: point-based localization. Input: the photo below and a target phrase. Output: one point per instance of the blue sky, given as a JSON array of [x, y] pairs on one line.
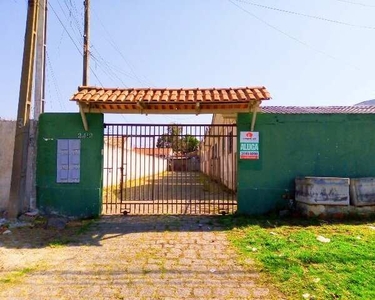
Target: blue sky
[[200, 43]]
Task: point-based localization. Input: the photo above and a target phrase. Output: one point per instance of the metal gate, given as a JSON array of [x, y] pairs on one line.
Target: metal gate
[[169, 169]]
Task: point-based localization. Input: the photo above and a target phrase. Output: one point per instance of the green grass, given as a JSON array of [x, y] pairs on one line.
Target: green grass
[[82, 227], [86, 225], [292, 259], [61, 242], [16, 275]]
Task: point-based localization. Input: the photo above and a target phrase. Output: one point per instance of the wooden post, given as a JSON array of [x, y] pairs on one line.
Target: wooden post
[[86, 57], [86, 41], [253, 119]]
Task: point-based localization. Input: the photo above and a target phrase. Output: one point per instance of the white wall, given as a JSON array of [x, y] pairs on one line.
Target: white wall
[[7, 132], [222, 165], [135, 165]]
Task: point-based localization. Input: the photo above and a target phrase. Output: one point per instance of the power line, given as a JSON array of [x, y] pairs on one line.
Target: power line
[[356, 3], [57, 89], [105, 67], [98, 64], [112, 66], [72, 3], [96, 76], [103, 64], [112, 42], [122, 115], [60, 41], [290, 36], [119, 70], [50, 94], [66, 30], [71, 38], [73, 12], [68, 17], [305, 15], [73, 15]]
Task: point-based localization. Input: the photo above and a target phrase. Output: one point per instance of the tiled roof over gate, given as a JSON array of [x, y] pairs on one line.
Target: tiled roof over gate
[[156, 100], [295, 110]]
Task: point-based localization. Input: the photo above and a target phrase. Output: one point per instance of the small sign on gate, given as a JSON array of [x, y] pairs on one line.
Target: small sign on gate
[[249, 145]]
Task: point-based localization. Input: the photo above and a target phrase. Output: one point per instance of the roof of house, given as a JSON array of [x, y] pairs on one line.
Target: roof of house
[[116, 141], [154, 100], [318, 110], [368, 102]]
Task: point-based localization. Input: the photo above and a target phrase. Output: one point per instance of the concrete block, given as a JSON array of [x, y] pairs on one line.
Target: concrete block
[[335, 211], [362, 191], [322, 190]]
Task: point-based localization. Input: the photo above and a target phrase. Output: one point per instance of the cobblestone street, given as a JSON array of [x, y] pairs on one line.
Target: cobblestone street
[[132, 257]]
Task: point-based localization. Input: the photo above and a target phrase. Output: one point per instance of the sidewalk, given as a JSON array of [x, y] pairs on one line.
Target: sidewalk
[[133, 257]]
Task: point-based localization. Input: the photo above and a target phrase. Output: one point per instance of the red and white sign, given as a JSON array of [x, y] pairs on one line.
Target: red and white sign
[[249, 155], [249, 137], [249, 145]]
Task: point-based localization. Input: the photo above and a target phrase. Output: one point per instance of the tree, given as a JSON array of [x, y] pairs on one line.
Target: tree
[[172, 139], [190, 143], [175, 140]]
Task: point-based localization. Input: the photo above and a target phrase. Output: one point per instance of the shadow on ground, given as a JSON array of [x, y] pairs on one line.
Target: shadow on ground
[[92, 232]]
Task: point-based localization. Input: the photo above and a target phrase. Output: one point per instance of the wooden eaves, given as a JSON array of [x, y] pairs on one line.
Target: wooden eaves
[[170, 101]]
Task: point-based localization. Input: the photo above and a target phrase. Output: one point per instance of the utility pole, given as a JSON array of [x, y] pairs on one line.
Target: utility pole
[[39, 96], [86, 45], [86, 56], [40, 59], [18, 181]]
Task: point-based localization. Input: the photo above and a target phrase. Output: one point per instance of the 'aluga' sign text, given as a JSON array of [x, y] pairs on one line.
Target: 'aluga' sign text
[[249, 145]]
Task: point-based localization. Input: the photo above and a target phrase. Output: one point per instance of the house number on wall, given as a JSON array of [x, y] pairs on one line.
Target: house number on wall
[[85, 135]]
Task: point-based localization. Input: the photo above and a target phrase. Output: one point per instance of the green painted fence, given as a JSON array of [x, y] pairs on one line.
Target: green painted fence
[[340, 145], [81, 199]]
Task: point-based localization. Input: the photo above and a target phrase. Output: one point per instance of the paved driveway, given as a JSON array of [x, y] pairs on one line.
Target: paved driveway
[[130, 257], [170, 193]]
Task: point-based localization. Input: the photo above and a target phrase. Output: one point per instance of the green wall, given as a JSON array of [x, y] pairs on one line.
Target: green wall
[[340, 145], [81, 199]]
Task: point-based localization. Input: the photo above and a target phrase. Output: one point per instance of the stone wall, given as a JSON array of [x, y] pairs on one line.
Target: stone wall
[[7, 132]]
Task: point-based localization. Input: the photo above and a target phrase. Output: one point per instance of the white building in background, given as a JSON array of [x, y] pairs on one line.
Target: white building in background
[[218, 151], [123, 163]]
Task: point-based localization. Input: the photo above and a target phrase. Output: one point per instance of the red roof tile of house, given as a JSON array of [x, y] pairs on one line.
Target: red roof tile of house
[[154, 99]]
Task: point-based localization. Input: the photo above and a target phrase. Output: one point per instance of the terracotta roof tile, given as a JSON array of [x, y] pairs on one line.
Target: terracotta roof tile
[[174, 100], [199, 96], [298, 110], [240, 94]]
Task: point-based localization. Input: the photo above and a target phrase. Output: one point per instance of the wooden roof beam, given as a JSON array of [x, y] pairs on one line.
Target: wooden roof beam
[[197, 108], [255, 109], [83, 117], [142, 105]]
